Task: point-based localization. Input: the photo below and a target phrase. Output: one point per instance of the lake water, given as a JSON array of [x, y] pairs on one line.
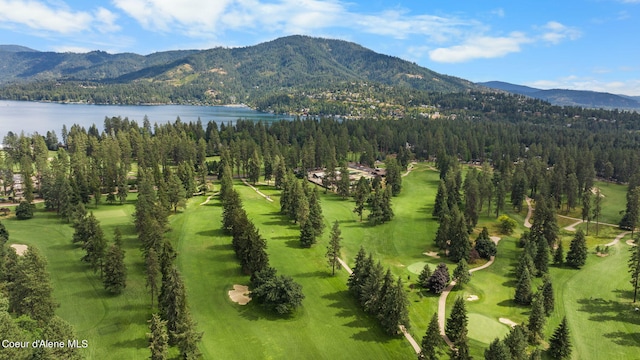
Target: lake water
[[17, 116]]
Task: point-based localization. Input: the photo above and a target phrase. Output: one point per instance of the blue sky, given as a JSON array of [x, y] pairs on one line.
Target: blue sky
[[586, 45]]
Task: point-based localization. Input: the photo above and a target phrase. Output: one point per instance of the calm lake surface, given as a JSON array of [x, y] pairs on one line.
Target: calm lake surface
[[17, 116]]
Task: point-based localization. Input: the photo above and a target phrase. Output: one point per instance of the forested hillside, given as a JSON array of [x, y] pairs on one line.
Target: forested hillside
[[291, 66]]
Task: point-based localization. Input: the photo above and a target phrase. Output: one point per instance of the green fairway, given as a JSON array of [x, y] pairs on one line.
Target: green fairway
[[485, 329], [113, 325], [329, 325]]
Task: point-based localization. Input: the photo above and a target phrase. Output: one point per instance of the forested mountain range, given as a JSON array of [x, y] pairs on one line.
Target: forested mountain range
[[561, 97], [291, 66]]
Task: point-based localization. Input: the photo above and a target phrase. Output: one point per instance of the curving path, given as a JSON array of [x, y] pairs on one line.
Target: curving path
[[244, 181], [618, 238], [206, 201], [527, 224], [442, 301]]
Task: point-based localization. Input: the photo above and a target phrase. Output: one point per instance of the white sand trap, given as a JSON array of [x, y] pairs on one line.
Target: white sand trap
[[594, 190], [631, 243], [495, 239], [433, 254], [20, 249], [240, 294], [507, 322], [472, 298]]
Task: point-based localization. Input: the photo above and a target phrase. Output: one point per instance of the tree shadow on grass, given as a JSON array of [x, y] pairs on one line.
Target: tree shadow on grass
[[294, 243], [608, 310], [136, 343], [510, 283], [221, 247], [315, 274], [290, 237], [624, 338], [211, 233]]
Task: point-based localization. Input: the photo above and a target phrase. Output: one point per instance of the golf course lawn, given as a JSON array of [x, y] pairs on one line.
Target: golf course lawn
[[330, 325]]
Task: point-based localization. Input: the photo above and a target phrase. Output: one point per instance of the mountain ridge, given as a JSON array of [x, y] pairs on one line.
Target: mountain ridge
[[566, 97]]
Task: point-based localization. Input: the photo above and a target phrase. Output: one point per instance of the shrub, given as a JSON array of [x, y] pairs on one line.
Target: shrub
[[24, 211], [507, 224]]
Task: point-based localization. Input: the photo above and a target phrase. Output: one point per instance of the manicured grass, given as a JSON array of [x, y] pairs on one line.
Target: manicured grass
[[329, 325], [113, 325]]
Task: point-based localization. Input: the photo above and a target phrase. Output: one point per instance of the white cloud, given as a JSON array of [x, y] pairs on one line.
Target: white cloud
[[54, 17], [106, 20], [555, 32], [626, 87], [197, 18], [39, 16], [480, 47]]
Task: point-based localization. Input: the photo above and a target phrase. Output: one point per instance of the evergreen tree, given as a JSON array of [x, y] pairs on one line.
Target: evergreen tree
[[456, 326], [560, 342], [497, 351], [344, 183], [158, 338], [30, 291], [277, 293], [461, 350], [187, 337], [387, 210], [307, 235], [394, 308], [393, 177], [634, 269], [541, 260], [431, 340], [536, 320], [152, 272], [441, 200], [577, 254], [315, 213], [546, 289], [558, 255], [516, 342], [94, 244], [523, 288], [442, 234], [460, 245], [423, 278], [333, 249], [176, 194], [485, 247], [57, 329], [374, 287], [586, 207], [356, 279], [361, 195], [597, 209], [115, 270], [171, 301], [440, 279], [461, 273], [471, 198]]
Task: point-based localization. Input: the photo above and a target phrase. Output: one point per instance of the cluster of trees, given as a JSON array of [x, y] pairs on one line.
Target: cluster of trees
[[375, 197], [515, 345], [435, 281], [378, 293], [109, 260], [27, 306], [302, 205], [279, 293], [150, 219]]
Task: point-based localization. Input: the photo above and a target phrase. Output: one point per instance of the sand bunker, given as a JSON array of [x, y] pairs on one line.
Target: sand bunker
[[240, 294], [472, 298], [594, 190], [433, 254], [20, 249], [507, 322], [495, 239]]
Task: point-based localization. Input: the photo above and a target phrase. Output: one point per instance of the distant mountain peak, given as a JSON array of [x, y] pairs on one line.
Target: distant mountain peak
[[16, 48], [564, 97]]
